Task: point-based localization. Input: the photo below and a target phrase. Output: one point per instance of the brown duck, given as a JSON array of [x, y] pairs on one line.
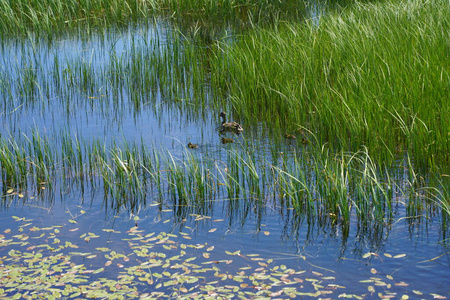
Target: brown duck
[[192, 146], [289, 136], [227, 140], [230, 126]]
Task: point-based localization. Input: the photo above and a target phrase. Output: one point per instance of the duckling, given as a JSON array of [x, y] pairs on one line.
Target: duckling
[[230, 126], [192, 146], [289, 136], [226, 140]]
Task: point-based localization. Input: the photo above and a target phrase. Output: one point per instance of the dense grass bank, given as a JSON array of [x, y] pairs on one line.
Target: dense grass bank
[[375, 75]]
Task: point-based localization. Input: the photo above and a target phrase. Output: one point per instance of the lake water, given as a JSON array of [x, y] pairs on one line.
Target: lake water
[[44, 89]]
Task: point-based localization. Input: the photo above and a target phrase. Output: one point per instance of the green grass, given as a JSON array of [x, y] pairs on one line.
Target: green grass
[[317, 185], [367, 87], [51, 16], [56, 16], [374, 75]]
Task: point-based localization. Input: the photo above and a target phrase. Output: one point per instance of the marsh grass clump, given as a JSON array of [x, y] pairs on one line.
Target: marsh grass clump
[[371, 75], [50, 16], [318, 185]]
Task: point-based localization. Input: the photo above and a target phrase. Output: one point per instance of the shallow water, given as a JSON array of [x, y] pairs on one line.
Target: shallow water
[[414, 252]]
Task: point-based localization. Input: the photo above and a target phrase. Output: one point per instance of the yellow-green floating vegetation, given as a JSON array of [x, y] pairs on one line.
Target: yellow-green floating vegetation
[[44, 263]]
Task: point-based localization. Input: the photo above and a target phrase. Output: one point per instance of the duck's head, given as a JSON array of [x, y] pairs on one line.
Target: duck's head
[[222, 114]]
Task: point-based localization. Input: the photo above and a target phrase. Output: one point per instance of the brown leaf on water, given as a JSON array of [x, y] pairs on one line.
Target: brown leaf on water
[[400, 255], [262, 264], [317, 273], [401, 283], [276, 294], [373, 271], [437, 296], [266, 232], [212, 230]]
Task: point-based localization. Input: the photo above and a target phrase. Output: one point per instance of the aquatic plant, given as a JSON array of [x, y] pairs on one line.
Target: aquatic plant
[[349, 78], [53, 16], [48, 262], [316, 184], [50, 16]]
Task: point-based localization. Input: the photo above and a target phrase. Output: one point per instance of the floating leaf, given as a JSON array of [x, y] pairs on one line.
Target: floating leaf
[[98, 271], [317, 273], [400, 255], [437, 296], [401, 283], [212, 230], [102, 249]]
